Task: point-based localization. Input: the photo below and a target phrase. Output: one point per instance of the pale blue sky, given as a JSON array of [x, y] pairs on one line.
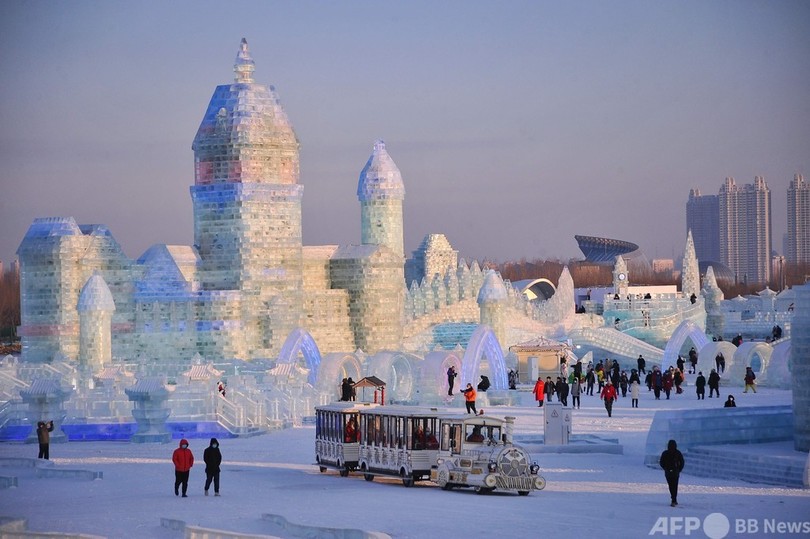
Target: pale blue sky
[[515, 124]]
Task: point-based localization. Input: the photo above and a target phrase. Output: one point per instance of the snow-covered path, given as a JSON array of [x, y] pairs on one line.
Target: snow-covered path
[[587, 494]]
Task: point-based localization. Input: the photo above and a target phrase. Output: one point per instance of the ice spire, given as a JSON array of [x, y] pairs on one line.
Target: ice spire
[[244, 66], [690, 274]]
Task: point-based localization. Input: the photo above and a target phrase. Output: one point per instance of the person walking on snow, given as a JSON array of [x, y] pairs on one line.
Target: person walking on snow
[[714, 383], [750, 380], [183, 460], [212, 458], [641, 364], [539, 391], [549, 388], [608, 395], [700, 386], [672, 463], [576, 391], [634, 389]]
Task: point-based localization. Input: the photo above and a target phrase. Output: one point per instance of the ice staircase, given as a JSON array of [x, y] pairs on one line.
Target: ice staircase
[[617, 343], [773, 466], [752, 443]]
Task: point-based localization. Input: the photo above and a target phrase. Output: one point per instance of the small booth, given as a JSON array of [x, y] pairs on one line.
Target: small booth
[[376, 383], [540, 357]]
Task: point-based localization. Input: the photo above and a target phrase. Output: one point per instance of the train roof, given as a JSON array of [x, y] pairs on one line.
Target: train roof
[[411, 411], [347, 406], [475, 420]]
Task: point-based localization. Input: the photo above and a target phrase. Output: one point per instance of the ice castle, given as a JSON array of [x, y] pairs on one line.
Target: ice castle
[[283, 322]]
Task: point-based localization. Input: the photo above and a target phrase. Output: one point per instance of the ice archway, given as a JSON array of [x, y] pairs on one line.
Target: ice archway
[[744, 357], [685, 330], [484, 343], [300, 341], [397, 370], [335, 367], [778, 372]]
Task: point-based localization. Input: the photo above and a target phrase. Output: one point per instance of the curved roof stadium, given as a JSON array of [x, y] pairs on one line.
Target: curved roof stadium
[[541, 289], [721, 271], [603, 249]]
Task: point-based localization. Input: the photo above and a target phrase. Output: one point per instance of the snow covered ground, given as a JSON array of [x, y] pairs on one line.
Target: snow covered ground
[[598, 495]]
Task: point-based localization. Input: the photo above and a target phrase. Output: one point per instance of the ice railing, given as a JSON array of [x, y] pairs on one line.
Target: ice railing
[[13, 412], [240, 410], [656, 320]]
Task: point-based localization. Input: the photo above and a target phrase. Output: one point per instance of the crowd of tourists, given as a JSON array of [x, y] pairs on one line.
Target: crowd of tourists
[[609, 381]]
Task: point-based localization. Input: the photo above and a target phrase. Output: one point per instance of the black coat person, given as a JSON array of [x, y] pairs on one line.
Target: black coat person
[[345, 390], [714, 383], [44, 438], [451, 379], [212, 458], [672, 463], [700, 386], [484, 384]]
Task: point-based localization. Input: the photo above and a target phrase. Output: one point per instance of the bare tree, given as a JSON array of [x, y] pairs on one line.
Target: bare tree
[[9, 304]]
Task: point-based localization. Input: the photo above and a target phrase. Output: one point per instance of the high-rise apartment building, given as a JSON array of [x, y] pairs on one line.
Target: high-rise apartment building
[[703, 219], [797, 249], [745, 229]]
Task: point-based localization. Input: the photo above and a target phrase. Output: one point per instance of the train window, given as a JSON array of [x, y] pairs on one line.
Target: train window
[[492, 433], [350, 432], [419, 436], [451, 438], [385, 434], [430, 434], [403, 434], [455, 443], [474, 434], [377, 430]]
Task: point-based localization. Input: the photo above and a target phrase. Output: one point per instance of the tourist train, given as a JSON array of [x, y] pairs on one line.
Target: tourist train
[[420, 444]]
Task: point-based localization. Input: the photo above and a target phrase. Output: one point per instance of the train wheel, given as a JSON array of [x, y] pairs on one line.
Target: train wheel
[[483, 490], [368, 477], [322, 468], [447, 486], [523, 492], [407, 480], [344, 472]]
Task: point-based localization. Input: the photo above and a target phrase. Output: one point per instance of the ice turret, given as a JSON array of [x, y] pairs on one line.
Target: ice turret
[[95, 307], [492, 301], [381, 191]]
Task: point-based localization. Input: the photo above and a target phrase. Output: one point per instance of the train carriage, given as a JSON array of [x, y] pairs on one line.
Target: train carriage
[[477, 452], [337, 435], [398, 441]]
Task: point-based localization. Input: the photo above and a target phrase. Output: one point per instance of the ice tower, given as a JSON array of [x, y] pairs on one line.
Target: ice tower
[[381, 192], [247, 219]]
